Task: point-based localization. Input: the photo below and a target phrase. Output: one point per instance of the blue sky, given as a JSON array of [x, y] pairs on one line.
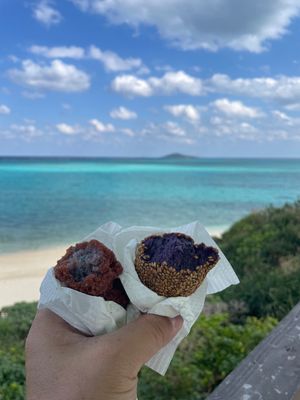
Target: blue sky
[[136, 78]]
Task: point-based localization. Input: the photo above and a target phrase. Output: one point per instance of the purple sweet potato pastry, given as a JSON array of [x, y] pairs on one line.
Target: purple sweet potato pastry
[[172, 264], [92, 268], [177, 250]]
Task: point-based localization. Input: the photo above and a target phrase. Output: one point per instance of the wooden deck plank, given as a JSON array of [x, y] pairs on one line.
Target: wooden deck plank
[[271, 371]]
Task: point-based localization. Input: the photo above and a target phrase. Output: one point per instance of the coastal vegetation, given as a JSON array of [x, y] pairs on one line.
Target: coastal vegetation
[[264, 249]]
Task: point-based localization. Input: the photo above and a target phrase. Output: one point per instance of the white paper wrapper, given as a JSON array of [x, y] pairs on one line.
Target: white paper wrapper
[[89, 314], [93, 315]]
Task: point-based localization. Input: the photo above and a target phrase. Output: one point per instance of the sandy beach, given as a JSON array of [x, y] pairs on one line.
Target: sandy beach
[[21, 273]]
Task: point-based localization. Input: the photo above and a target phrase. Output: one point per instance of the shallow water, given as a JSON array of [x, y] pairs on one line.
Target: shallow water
[[55, 201]]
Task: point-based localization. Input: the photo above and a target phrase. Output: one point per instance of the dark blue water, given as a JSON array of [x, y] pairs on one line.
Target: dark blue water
[[56, 201]]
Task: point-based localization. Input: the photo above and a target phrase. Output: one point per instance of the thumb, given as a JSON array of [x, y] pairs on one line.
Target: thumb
[[142, 338]]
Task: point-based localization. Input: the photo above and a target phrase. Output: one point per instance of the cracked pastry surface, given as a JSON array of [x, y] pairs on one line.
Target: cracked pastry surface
[[92, 268]]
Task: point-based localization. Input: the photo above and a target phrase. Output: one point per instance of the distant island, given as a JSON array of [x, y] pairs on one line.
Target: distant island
[[178, 155]]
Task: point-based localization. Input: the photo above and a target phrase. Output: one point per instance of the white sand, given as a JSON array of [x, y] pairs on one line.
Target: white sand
[[21, 273]]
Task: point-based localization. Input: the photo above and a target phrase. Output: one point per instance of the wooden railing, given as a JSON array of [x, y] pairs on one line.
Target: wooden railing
[[272, 370]]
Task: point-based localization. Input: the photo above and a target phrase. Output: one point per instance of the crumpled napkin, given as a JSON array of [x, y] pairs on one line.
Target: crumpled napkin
[[93, 315]]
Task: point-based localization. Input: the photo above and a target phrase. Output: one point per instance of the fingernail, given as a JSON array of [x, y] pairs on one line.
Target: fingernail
[[177, 322]]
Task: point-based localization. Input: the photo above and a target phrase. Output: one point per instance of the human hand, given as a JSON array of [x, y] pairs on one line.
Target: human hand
[[63, 364]]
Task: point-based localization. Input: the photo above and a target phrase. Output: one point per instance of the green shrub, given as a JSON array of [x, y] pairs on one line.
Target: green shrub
[[213, 349], [12, 375], [15, 322], [264, 249]]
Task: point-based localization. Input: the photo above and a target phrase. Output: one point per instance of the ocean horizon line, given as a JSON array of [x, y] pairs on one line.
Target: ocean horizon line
[[163, 157]]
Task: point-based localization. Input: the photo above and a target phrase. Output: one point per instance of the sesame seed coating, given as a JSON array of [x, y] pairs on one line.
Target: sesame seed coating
[[172, 264]]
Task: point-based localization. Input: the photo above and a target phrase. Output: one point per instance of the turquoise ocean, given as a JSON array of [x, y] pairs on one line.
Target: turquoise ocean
[[50, 201]]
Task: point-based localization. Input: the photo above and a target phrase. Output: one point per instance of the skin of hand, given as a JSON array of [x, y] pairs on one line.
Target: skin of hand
[[63, 364]]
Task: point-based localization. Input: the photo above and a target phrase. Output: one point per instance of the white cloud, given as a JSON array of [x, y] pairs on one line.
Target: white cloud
[[246, 127], [26, 131], [184, 110], [58, 76], [164, 68], [177, 82], [123, 113], [45, 13], [100, 126], [236, 108], [67, 129], [82, 4], [293, 107], [279, 126], [233, 129], [4, 109], [130, 85], [143, 70], [174, 129], [58, 52], [169, 131], [24, 128], [112, 61], [216, 120], [169, 83], [283, 117], [285, 89], [280, 115], [194, 24], [276, 134], [13, 58], [128, 132]]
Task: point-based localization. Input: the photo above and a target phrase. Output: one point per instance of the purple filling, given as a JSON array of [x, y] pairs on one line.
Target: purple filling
[[83, 262], [178, 252]]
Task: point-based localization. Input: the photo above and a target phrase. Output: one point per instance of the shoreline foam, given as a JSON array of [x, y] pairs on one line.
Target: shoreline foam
[[21, 272]]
